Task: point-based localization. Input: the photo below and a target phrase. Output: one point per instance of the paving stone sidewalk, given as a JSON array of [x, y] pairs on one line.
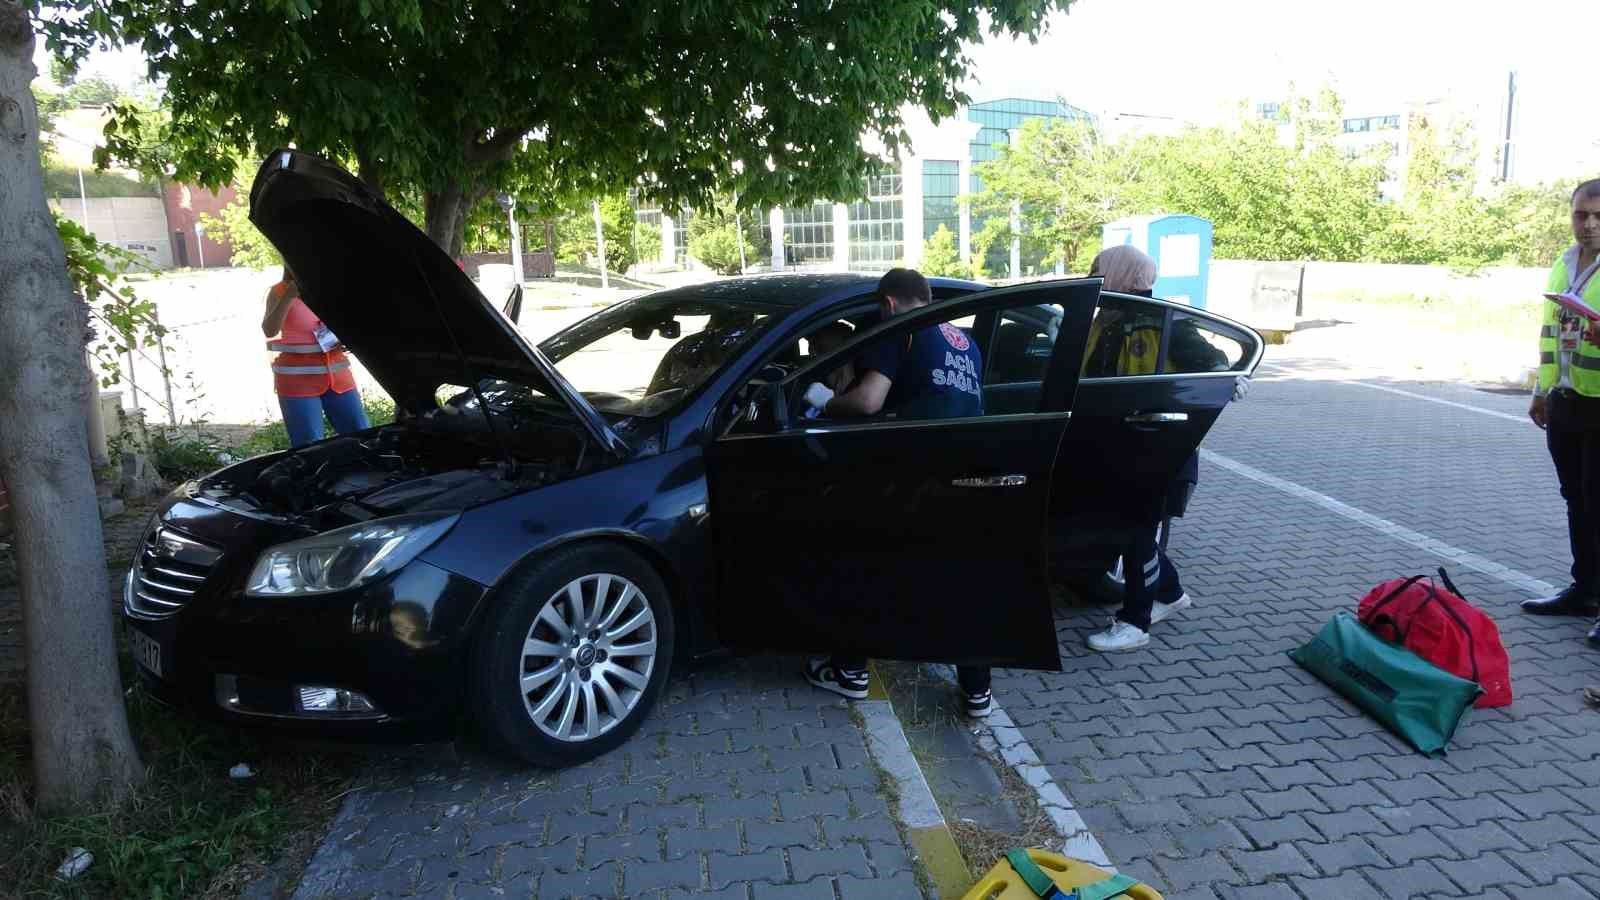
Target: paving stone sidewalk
[[1213, 767], [745, 784]]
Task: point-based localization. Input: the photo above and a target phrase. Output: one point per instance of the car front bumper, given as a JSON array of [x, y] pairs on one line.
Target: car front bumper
[[396, 650]]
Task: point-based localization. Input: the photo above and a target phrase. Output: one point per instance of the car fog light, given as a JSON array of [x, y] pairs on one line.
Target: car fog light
[[332, 701]]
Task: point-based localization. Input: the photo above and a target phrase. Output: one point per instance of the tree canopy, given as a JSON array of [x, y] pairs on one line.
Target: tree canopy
[[1274, 190], [458, 99]]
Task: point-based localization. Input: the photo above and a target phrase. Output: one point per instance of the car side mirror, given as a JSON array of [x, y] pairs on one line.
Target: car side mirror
[[755, 409]]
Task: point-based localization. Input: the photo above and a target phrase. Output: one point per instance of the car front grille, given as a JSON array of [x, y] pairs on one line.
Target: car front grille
[[170, 569]]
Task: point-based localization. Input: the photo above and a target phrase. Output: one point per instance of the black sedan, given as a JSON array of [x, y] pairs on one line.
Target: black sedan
[[545, 530]]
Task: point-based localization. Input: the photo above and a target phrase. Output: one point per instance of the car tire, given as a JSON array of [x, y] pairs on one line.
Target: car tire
[[555, 682], [1108, 589]]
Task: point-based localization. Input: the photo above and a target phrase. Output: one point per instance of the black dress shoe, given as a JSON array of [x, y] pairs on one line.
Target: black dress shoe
[[1570, 602]]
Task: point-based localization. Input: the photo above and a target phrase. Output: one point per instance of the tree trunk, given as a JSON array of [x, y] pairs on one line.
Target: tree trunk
[[445, 217], [370, 171], [83, 755]]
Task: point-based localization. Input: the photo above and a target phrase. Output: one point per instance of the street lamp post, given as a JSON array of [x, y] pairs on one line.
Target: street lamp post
[[510, 206], [600, 242]]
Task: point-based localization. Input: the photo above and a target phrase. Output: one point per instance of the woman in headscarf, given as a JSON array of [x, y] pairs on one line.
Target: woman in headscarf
[[1151, 588]]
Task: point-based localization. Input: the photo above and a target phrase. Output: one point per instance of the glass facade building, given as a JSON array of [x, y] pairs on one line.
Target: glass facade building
[[998, 118], [941, 192], [899, 208], [680, 239], [877, 225], [680, 232], [808, 234]]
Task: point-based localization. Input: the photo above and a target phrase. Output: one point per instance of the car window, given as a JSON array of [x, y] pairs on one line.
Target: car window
[[645, 356], [1022, 344], [1124, 339], [937, 372], [1200, 345]]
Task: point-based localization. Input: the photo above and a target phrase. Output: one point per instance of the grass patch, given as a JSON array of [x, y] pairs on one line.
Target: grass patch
[[190, 831], [982, 845], [933, 706]]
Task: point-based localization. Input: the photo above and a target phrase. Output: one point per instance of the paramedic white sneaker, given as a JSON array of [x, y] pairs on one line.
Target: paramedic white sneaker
[[1161, 610], [1120, 636], [979, 704], [845, 683]]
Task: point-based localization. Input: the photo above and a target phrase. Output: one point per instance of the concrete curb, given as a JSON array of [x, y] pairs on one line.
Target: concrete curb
[[999, 735], [925, 824]]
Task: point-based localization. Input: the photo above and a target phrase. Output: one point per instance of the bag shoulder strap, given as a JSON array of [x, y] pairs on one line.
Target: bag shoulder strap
[[1466, 629], [1373, 618], [1036, 879], [1450, 585], [1394, 593], [1114, 886]]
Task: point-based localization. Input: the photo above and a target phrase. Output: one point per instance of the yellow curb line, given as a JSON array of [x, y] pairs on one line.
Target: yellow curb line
[[925, 824]]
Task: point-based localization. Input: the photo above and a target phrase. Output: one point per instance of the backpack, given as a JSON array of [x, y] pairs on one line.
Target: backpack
[[1438, 625]]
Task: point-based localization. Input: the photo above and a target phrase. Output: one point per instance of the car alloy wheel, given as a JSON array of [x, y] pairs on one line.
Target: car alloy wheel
[[573, 653], [588, 657]]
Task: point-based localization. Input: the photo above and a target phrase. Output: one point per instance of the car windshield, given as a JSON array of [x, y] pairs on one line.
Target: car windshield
[[644, 356]]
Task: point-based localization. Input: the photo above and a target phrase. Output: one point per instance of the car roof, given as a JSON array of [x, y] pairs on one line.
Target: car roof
[[796, 290]]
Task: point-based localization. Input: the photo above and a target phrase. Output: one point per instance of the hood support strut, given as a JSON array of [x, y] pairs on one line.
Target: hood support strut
[[466, 374]]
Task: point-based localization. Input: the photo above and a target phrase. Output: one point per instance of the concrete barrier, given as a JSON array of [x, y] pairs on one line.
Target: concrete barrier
[[1258, 293]]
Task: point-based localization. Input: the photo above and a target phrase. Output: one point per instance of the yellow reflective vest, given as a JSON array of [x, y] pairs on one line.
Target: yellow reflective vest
[[1583, 372], [1137, 347]]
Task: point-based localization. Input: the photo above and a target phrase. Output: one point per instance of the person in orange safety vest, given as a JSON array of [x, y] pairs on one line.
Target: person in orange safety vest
[[311, 372]]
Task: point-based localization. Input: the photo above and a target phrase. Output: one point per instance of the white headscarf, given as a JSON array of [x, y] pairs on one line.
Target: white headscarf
[[1125, 268]]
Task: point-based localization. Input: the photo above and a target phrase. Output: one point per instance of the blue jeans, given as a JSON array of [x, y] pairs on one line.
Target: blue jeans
[[303, 415]]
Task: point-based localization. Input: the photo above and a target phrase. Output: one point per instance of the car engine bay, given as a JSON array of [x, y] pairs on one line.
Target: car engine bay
[[441, 460]]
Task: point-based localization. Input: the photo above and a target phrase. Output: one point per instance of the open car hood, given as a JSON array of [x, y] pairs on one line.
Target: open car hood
[[396, 300]]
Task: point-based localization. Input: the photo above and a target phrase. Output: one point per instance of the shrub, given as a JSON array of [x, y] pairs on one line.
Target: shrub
[[717, 247], [940, 255], [180, 454]]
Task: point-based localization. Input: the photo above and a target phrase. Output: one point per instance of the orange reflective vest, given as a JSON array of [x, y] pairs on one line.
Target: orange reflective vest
[[302, 368]]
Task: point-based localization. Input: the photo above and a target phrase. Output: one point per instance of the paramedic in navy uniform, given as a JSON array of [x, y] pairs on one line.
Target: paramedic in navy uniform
[[934, 373]]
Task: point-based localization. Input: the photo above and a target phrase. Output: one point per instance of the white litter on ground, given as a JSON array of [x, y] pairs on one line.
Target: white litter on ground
[[241, 771], [76, 863]]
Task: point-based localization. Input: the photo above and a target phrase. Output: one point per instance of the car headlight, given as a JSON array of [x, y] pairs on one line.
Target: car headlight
[[345, 557]]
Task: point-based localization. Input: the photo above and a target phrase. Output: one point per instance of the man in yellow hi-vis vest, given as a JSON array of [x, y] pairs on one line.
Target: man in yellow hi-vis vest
[[1566, 403]]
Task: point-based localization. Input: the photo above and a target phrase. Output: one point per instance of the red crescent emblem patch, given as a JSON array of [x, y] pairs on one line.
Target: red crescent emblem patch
[[956, 337]]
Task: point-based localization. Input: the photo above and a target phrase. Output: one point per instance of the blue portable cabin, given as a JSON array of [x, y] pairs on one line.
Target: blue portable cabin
[[1181, 247]]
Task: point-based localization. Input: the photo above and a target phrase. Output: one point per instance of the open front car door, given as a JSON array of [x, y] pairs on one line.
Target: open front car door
[[904, 535]]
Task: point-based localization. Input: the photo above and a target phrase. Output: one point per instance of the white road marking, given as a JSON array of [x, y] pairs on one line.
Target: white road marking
[[1520, 420], [1464, 558]]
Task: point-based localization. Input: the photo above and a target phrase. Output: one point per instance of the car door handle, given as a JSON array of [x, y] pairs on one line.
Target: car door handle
[[1157, 418], [991, 481]]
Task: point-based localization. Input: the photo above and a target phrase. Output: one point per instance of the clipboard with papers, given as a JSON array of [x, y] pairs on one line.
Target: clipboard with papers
[[1574, 304]]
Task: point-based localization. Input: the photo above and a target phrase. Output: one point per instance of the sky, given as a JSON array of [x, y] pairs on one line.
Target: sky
[[1194, 59]]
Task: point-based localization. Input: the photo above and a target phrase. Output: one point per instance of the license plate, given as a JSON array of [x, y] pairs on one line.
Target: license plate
[[146, 651]]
